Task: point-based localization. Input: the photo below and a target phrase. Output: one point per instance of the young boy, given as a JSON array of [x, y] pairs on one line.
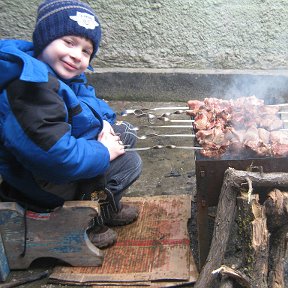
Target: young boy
[[58, 141]]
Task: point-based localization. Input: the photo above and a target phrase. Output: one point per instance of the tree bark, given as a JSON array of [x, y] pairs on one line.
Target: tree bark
[[255, 239], [223, 222], [276, 209], [228, 274]]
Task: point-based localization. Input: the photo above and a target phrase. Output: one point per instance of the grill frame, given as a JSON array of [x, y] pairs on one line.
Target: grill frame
[[210, 173]]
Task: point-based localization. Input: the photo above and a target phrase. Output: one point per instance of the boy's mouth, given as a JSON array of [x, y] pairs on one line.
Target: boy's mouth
[[70, 66]]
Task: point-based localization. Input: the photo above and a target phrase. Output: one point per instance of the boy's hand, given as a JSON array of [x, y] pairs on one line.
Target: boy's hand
[[109, 139], [107, 127]]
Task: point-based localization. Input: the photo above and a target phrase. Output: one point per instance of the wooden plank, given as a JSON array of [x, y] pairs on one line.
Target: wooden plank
[[60, 234], [4, 266]]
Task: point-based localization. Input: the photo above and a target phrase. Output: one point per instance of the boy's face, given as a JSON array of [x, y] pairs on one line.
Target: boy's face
[[68, 56]]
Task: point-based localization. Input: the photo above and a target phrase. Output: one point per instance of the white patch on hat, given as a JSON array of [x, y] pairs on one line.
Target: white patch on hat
[[85, 20]]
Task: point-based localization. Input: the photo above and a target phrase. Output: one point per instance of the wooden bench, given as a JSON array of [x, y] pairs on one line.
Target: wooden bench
[[60, 234]]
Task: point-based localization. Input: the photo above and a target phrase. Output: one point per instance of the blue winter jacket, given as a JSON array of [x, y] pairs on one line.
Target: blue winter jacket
[[48, 127]]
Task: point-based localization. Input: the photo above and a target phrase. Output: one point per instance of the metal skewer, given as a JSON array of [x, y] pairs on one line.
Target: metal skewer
[[164, 126], [135, 128], [162, 147], [170, 108], [168, 135], [142, 111], [278, 105], [166, 119], [143, 137], [150, 116], [153, 120]]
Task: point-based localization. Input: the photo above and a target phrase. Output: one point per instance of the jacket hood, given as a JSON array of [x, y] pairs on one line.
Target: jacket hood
[[17, 61]]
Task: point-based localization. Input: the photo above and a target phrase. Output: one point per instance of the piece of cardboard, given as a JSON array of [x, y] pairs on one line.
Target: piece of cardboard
[[154, 248]]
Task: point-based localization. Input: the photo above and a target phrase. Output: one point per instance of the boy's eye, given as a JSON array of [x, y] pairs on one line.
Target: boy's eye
[[87, 52], [68, 42]]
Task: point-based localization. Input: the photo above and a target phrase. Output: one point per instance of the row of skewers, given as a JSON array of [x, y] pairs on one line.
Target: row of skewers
[[154, 117]]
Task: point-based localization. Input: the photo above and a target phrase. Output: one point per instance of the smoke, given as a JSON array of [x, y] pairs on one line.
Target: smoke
[[272, 89]]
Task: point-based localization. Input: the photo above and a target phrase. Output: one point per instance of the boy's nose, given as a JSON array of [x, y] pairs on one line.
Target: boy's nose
[[76, 54]]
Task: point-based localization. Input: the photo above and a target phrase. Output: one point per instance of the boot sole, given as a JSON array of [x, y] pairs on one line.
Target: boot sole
[[116, 222], [106, 244]]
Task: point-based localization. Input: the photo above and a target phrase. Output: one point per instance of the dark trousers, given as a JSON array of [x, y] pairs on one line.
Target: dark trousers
[[123, 171]]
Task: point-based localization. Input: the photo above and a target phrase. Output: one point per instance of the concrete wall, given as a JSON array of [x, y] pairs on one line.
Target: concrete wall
[[213, 35], [197, 34], [180, 85]]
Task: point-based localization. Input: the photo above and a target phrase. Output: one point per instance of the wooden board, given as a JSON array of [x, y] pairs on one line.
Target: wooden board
[[60, 234], [4, 267]]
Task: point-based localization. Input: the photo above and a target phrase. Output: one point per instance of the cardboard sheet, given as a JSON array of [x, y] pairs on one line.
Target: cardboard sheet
[[153, 251]]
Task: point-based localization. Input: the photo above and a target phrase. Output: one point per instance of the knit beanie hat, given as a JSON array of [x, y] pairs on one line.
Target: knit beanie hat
[[58, 18]]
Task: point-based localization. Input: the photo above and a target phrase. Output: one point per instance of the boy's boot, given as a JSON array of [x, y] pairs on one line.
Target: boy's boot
[[102, 236], [111, 214], [99, 234], [125, 215]]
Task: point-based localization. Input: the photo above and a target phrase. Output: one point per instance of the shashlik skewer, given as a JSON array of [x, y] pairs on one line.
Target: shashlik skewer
[[163, 126], [144, 110], [135, 128], [162, 147], [152, 119], [143, 137], [278, 105], [150, 116], [166, 119]]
